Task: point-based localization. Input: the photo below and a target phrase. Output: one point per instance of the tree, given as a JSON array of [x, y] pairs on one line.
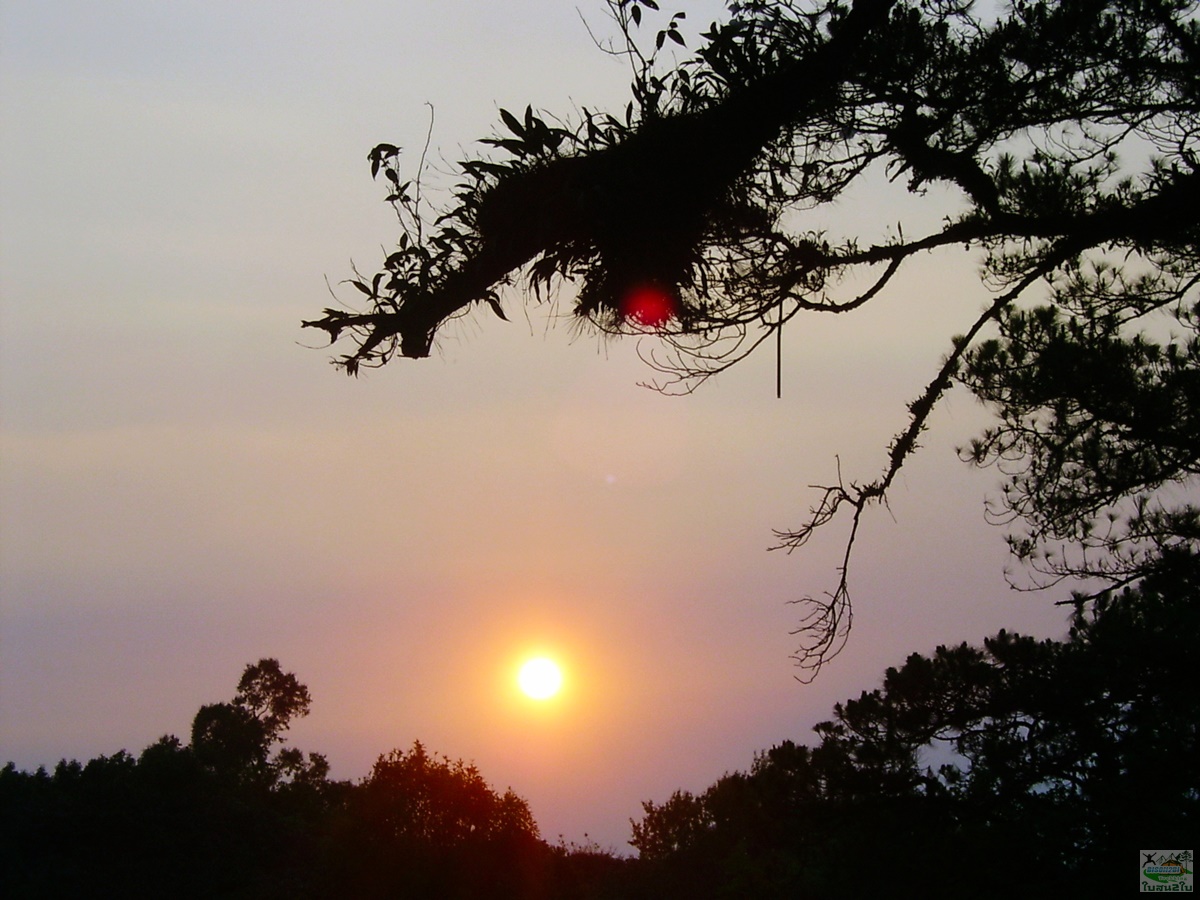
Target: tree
[[669, 827], [272, 697], [413, 796], [1069, 133], [235, 738], [1093, 423], [222, 818], [426, 826], [1015, 767]]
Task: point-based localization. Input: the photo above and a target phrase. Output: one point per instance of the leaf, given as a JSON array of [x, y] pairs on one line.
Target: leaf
[[673, 34], [518, 148], [658, 41], [636, 15], [379, 153], [488, 168], [495, 305], [511, 121], [362, 287]]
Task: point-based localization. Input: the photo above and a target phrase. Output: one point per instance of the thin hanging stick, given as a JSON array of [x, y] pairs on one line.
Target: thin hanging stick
[[779, 357]]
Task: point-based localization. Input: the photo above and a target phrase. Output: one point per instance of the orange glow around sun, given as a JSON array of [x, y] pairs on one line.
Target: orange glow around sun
[[540, 678]]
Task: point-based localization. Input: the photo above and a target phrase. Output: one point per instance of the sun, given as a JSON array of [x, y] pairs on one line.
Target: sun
[[540, 678]]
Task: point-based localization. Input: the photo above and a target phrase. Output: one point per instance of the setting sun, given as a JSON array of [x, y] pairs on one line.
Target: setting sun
[[540, 678]]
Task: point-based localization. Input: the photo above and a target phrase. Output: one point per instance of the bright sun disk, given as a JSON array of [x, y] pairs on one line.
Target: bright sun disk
[[540, 678]]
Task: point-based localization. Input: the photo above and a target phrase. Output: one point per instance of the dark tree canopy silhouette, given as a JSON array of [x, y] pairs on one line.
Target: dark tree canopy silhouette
[[222, 818], [428, 826], [235, 739], [1069, 132], [1018, 768]]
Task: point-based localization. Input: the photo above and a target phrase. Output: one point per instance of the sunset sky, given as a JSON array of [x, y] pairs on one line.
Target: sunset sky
[[187, 486]]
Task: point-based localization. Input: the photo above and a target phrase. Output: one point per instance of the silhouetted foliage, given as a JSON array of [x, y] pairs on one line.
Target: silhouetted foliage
[[222, 818], [1094, 421], [235, 739], [1068, 131], [217, 818], [424, 826], [1016, 768], [1067, 134], [1019, 768]]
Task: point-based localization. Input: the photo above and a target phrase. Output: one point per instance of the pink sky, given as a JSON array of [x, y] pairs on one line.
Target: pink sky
[[185, 488]]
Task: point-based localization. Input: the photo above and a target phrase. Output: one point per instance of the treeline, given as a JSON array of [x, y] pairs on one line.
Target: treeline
[[232, 814], [1019, 768]]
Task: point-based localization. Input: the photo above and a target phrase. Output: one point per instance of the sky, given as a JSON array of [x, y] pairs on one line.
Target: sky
[[186, 485]]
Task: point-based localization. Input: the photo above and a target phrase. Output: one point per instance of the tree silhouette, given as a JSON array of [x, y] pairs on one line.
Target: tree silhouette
[[1010, 769], [272, 697], [235, 739], [414, 796], [1093, 422], [221, 818], [1066, 131], [1013, 768], [422, 825]]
